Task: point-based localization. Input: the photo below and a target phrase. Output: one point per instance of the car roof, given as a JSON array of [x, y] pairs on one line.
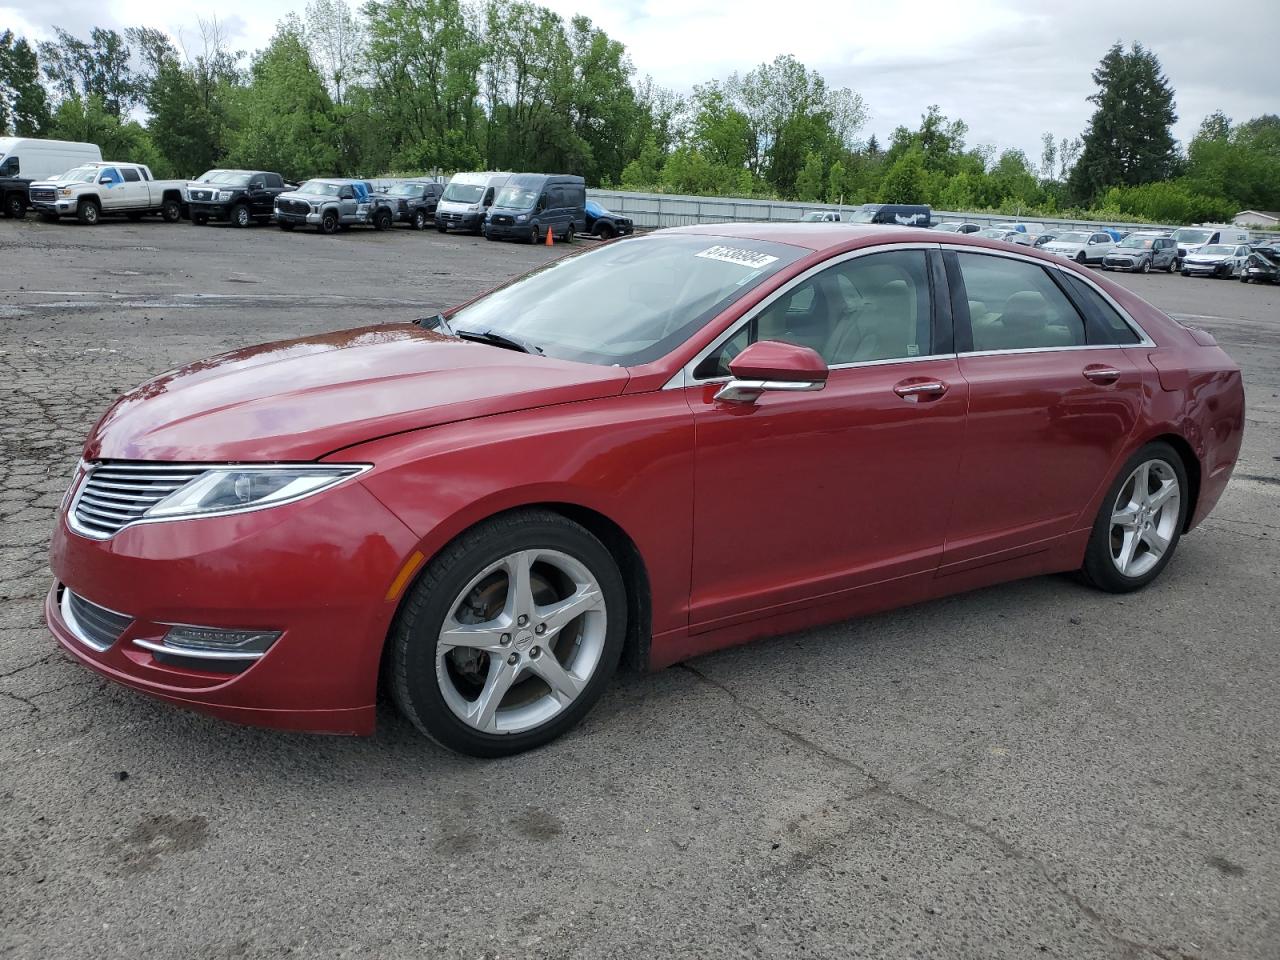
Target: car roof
[[820, 237]]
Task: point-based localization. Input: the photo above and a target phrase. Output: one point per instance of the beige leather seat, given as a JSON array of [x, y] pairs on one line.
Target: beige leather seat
[[1025, 323], [882, 327]]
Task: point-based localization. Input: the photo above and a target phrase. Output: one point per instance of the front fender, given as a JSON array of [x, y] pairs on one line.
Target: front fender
[[628, 458]]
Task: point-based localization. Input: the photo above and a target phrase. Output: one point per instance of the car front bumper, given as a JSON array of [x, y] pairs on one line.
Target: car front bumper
[[62, 208], [319, 571], [506, 229], [459, 221], [214, 211], [1204, 269], [311, 219]]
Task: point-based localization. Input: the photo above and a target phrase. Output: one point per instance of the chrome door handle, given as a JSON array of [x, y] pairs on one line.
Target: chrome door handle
[[910, 391], [1101, 374]]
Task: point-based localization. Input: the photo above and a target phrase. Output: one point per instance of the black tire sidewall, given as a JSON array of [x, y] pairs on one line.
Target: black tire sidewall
[[413, 640], [1098, 566], [329, 223]]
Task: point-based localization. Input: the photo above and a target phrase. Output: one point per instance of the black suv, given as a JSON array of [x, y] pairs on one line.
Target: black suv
[[415, 201], [241, 196]]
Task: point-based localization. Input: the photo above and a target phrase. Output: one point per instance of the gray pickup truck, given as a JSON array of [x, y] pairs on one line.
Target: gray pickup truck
[[330, 205]]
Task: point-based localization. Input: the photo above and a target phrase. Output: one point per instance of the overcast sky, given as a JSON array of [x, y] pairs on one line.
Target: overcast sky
[[1009, 68]]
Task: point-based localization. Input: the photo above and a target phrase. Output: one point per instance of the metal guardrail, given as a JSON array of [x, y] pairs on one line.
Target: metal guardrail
[[669, 210]]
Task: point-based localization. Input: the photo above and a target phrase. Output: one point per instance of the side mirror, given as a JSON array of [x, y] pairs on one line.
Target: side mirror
[[769, 365]]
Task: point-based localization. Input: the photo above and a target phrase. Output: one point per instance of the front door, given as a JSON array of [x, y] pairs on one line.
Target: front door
[[1053, 399], [806, 497]]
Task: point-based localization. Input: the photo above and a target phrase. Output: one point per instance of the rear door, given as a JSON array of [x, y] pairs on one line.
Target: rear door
[[1054, 395], [808, 497]]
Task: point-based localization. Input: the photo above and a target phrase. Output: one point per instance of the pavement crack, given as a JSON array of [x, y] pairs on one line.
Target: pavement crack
[[20, 699], [35, 663], [882, 787]]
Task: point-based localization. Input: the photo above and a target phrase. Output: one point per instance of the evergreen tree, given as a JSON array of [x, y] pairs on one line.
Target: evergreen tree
[[809, 185], [1129, 139]]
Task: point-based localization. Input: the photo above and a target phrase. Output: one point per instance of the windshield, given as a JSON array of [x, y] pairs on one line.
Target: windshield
[[1192, 236], [232, 179], [647, 295], [208, 176], [464, 192], [320, 188], [1218, 248], [405, 190], [81, 175], [950, 227], [992, 234], [517, 198], [863, 216], [813, 218], [1137, 243], [595, 209]]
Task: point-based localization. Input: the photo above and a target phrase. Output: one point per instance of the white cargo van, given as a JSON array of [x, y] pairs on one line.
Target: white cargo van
[[1191, 239], [25, 159], [467, 199]]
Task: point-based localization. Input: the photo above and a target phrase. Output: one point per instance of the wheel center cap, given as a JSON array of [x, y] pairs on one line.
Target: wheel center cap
[[524, 638]]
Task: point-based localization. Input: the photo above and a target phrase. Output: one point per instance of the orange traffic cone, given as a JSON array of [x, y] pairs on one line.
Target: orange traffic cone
[[551, 240]]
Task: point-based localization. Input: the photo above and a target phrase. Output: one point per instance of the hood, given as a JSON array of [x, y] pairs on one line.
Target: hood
[[1058, 247], [299, 195], [1196, 256], [300, 399]]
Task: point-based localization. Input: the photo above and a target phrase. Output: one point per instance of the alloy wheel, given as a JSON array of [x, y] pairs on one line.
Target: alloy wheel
[[521, 641], [1144, 518]]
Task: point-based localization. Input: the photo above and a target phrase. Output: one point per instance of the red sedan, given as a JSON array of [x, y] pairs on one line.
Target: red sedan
[[667, 445]]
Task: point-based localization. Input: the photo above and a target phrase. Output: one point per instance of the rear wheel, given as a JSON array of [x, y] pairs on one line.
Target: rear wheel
[[88, 212], [15, 206], [1140, 521], [510, 635], [171, 211], [240, 216]]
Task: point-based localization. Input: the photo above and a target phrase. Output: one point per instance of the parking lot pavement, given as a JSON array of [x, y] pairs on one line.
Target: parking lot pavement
[[1031, 770]]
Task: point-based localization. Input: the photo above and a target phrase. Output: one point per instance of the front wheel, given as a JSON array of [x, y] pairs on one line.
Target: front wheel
[[605, 231], [240, 216], [510, 635], [88, 212], [286, 226], [1140, 521], [442, 228], [420, 220], [199, 219], [1173, 265], [1146, 267], [1081, 259], [329, 222], [382, 220]]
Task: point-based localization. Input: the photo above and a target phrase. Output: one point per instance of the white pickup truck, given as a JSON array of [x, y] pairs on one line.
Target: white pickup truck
[[96, 190]]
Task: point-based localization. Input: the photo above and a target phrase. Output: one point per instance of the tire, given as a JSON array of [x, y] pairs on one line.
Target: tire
[[240, 216], [1102, 567], [1081, 259], [419, 219], [568, 234], [1173, 265], [442, 228], [15, 206], [89, 213], [382, 219], [605, 231], [1186, 273], [1244, 279], [329, 222], [430, 681], [287, 227], [171, 211], [534, 236], [199, 219], [1146, 267]]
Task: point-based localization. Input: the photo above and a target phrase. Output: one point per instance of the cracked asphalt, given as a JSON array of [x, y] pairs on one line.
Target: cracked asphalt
[[1032, 770]]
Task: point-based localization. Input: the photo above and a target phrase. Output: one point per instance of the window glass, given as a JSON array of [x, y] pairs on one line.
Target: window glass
[[869, 308], [1014, 305], [273, 180], [9, 168], [1110, 327], [109, 175]]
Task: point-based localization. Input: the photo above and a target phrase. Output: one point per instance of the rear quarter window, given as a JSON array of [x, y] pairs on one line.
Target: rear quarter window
[[1106, 326]]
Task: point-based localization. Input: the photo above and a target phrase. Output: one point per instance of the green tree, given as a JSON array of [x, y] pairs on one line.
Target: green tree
[[905, 180], [1129, 140], [835, 182], [24, 105], [99, 67], [286, 113], [644, 172], [90, 121], [809, 182]]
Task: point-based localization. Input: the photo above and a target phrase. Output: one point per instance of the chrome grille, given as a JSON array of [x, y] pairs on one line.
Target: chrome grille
[[113, 495], [42, 194], [97, 626], [201, 195]]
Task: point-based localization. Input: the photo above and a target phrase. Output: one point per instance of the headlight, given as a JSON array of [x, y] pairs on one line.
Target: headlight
[[64, 191], [234, 489], [521, 218], [224, 196]]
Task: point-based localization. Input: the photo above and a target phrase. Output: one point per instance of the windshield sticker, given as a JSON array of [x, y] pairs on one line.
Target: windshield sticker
[[743, 258]]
